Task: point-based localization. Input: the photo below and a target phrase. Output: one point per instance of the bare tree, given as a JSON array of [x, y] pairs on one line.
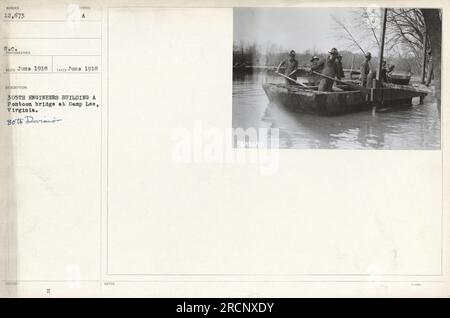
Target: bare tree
[[346, 35], [371, 22], [433, 22], [406, 30]]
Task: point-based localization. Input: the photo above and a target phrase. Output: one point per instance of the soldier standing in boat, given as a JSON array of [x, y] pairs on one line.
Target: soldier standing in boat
[[390, 71], [313, 79], [330, 70], [383, 74], [365, 69], [291, 66], [340, 69]]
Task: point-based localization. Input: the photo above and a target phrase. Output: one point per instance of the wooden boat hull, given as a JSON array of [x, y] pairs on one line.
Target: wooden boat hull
[[307, 101], [394, 95], [310, 101]]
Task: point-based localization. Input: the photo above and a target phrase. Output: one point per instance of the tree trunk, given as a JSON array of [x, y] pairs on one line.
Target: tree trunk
[[433, 24]]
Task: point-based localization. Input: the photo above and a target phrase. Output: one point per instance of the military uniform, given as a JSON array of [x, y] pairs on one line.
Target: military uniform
[[330, 70], [291, 65], [316, 66], [383, 74]]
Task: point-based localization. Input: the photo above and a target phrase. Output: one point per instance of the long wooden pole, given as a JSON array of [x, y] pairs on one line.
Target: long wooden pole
[[383, 33], [293, 80], [356, 87]]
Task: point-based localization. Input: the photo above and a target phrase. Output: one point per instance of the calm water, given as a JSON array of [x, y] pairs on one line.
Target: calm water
[[416, 127]]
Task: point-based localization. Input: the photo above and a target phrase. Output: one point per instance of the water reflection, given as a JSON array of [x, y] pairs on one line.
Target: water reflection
[[416, 127]]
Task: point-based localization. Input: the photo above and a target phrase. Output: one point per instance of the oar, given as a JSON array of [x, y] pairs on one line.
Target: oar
[[293, 80], [360, 88]]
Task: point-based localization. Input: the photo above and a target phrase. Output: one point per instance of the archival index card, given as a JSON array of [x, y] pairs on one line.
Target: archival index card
[[217, 149]]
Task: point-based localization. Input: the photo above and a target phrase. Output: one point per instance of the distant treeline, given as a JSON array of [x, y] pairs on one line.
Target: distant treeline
[[252, 55]]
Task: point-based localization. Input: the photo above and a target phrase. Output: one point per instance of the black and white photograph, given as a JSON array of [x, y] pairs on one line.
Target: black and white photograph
[[339, 78]]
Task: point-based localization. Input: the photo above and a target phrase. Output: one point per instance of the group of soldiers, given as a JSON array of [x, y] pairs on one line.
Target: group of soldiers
[[329, 68], [367, 74], [324, 72]]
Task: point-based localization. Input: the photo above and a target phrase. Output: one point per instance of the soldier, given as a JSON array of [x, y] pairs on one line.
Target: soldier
[[340, 69], [315, 66], [314, 61], [429, 69], [291, 66], [390, 70], [365, 69], [383, 74], [330, 70]]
